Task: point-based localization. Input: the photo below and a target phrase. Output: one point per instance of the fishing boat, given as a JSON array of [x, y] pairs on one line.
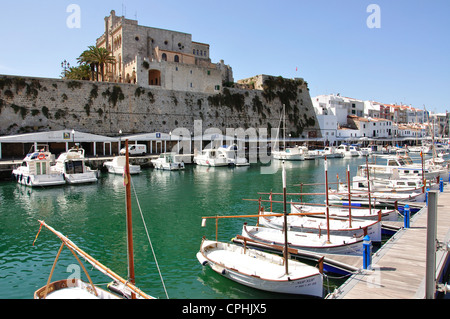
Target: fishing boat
[[77, 289], [262, 270], [167, 161], [403, 167], [318, 225], [320, 243], [117, 166], [232, 155], [330, 152], [211, 157], [348, 150], [36, 169], [344, 212], [72, 165]]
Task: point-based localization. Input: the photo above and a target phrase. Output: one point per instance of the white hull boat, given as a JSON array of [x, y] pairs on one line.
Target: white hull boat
[[342, 245], [167, 161], [318, 225], [232, 155], [343, 212], [72, 165], [330, 152], [117, 166], [348, 151], [290, 154], [261, 270], [211, 157], [36, 170]]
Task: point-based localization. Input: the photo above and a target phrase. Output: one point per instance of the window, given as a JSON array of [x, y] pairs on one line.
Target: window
[[176, 58], [164, 57]]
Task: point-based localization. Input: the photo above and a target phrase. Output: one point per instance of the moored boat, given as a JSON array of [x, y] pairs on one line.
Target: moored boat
[[321, 243], [167, 161], [261, 270], [117, 165], [37, 170], [72, 165]]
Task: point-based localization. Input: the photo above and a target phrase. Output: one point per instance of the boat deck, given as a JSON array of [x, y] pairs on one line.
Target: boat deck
[[399, 267]]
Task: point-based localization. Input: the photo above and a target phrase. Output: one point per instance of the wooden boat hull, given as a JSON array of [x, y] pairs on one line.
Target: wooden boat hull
[[318, 225], [260, 270], [357, 213], [72, 289], [341, 245]]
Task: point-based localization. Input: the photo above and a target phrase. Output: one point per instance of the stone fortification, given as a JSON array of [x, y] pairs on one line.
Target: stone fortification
[[41, 104]]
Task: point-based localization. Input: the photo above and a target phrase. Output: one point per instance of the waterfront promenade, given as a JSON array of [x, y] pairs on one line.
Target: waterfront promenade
[[399, 268]]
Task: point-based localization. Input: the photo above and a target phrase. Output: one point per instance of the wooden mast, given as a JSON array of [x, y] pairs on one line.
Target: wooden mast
[[286, 248], [327, 203], [127, 179], [349, 197]]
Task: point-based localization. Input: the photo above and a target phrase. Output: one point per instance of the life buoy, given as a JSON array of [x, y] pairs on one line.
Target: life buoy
[[41, 156]]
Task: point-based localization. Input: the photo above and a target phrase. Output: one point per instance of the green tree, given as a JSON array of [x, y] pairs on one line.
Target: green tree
[[96, 58], [82, 72]]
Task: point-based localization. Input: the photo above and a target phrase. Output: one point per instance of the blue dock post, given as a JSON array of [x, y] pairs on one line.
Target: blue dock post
[[441, 185], [367, 252], [406, 216], [426, 196]]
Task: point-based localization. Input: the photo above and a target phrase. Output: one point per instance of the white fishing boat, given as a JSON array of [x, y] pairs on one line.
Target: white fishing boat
[[117, 165], [211, 157], [309, 154], [331, 152], [318, 225], [348, 150], [320, 243], [232, 155], [289, 154], [72, 165], [36, 169], [78, 289], [344, 212], [261, 270], [167, 161]]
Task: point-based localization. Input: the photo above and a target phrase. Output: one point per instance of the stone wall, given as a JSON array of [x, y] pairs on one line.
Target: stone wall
[[38, 104]]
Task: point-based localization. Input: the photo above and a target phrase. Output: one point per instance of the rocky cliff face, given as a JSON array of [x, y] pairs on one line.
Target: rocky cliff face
[[38, 104]]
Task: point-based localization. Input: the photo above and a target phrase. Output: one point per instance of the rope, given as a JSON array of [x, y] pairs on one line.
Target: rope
[[149, 240]]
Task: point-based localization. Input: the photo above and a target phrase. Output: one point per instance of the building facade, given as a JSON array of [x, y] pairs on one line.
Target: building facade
[[162, 58]]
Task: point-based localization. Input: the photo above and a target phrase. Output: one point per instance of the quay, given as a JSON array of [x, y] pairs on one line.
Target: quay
[[399, 267]]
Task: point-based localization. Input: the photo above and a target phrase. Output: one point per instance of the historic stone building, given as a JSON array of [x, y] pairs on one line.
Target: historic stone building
[[155, 57]]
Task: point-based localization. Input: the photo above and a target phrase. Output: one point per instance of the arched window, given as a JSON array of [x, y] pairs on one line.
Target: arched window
[[164, 57], [176, 58]]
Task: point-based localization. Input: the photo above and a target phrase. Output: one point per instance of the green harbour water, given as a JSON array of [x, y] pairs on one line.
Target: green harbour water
[[172, 205]]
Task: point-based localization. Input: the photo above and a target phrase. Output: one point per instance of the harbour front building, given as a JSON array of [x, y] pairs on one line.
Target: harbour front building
[[155, 57]]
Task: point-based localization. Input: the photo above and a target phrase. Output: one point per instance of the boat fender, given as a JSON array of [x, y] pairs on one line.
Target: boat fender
[[289, 279], [224, 271], [204, 263], [28, 180]]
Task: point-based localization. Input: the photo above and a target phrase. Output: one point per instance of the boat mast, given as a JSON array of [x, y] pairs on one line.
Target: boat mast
[[127, 180], [286, 250], [349, 197], [327, 203]]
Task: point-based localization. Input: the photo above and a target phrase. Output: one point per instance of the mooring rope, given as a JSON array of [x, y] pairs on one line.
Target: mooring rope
[[149, 240]]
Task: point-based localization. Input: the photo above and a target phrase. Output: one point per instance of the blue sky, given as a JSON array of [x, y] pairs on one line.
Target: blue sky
[[406, 60]]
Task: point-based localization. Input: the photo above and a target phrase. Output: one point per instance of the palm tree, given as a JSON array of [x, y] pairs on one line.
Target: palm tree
[[81, 72], [97, 58]]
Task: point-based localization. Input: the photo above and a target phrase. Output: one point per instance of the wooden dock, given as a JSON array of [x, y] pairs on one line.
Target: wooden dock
[[399, 267]]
